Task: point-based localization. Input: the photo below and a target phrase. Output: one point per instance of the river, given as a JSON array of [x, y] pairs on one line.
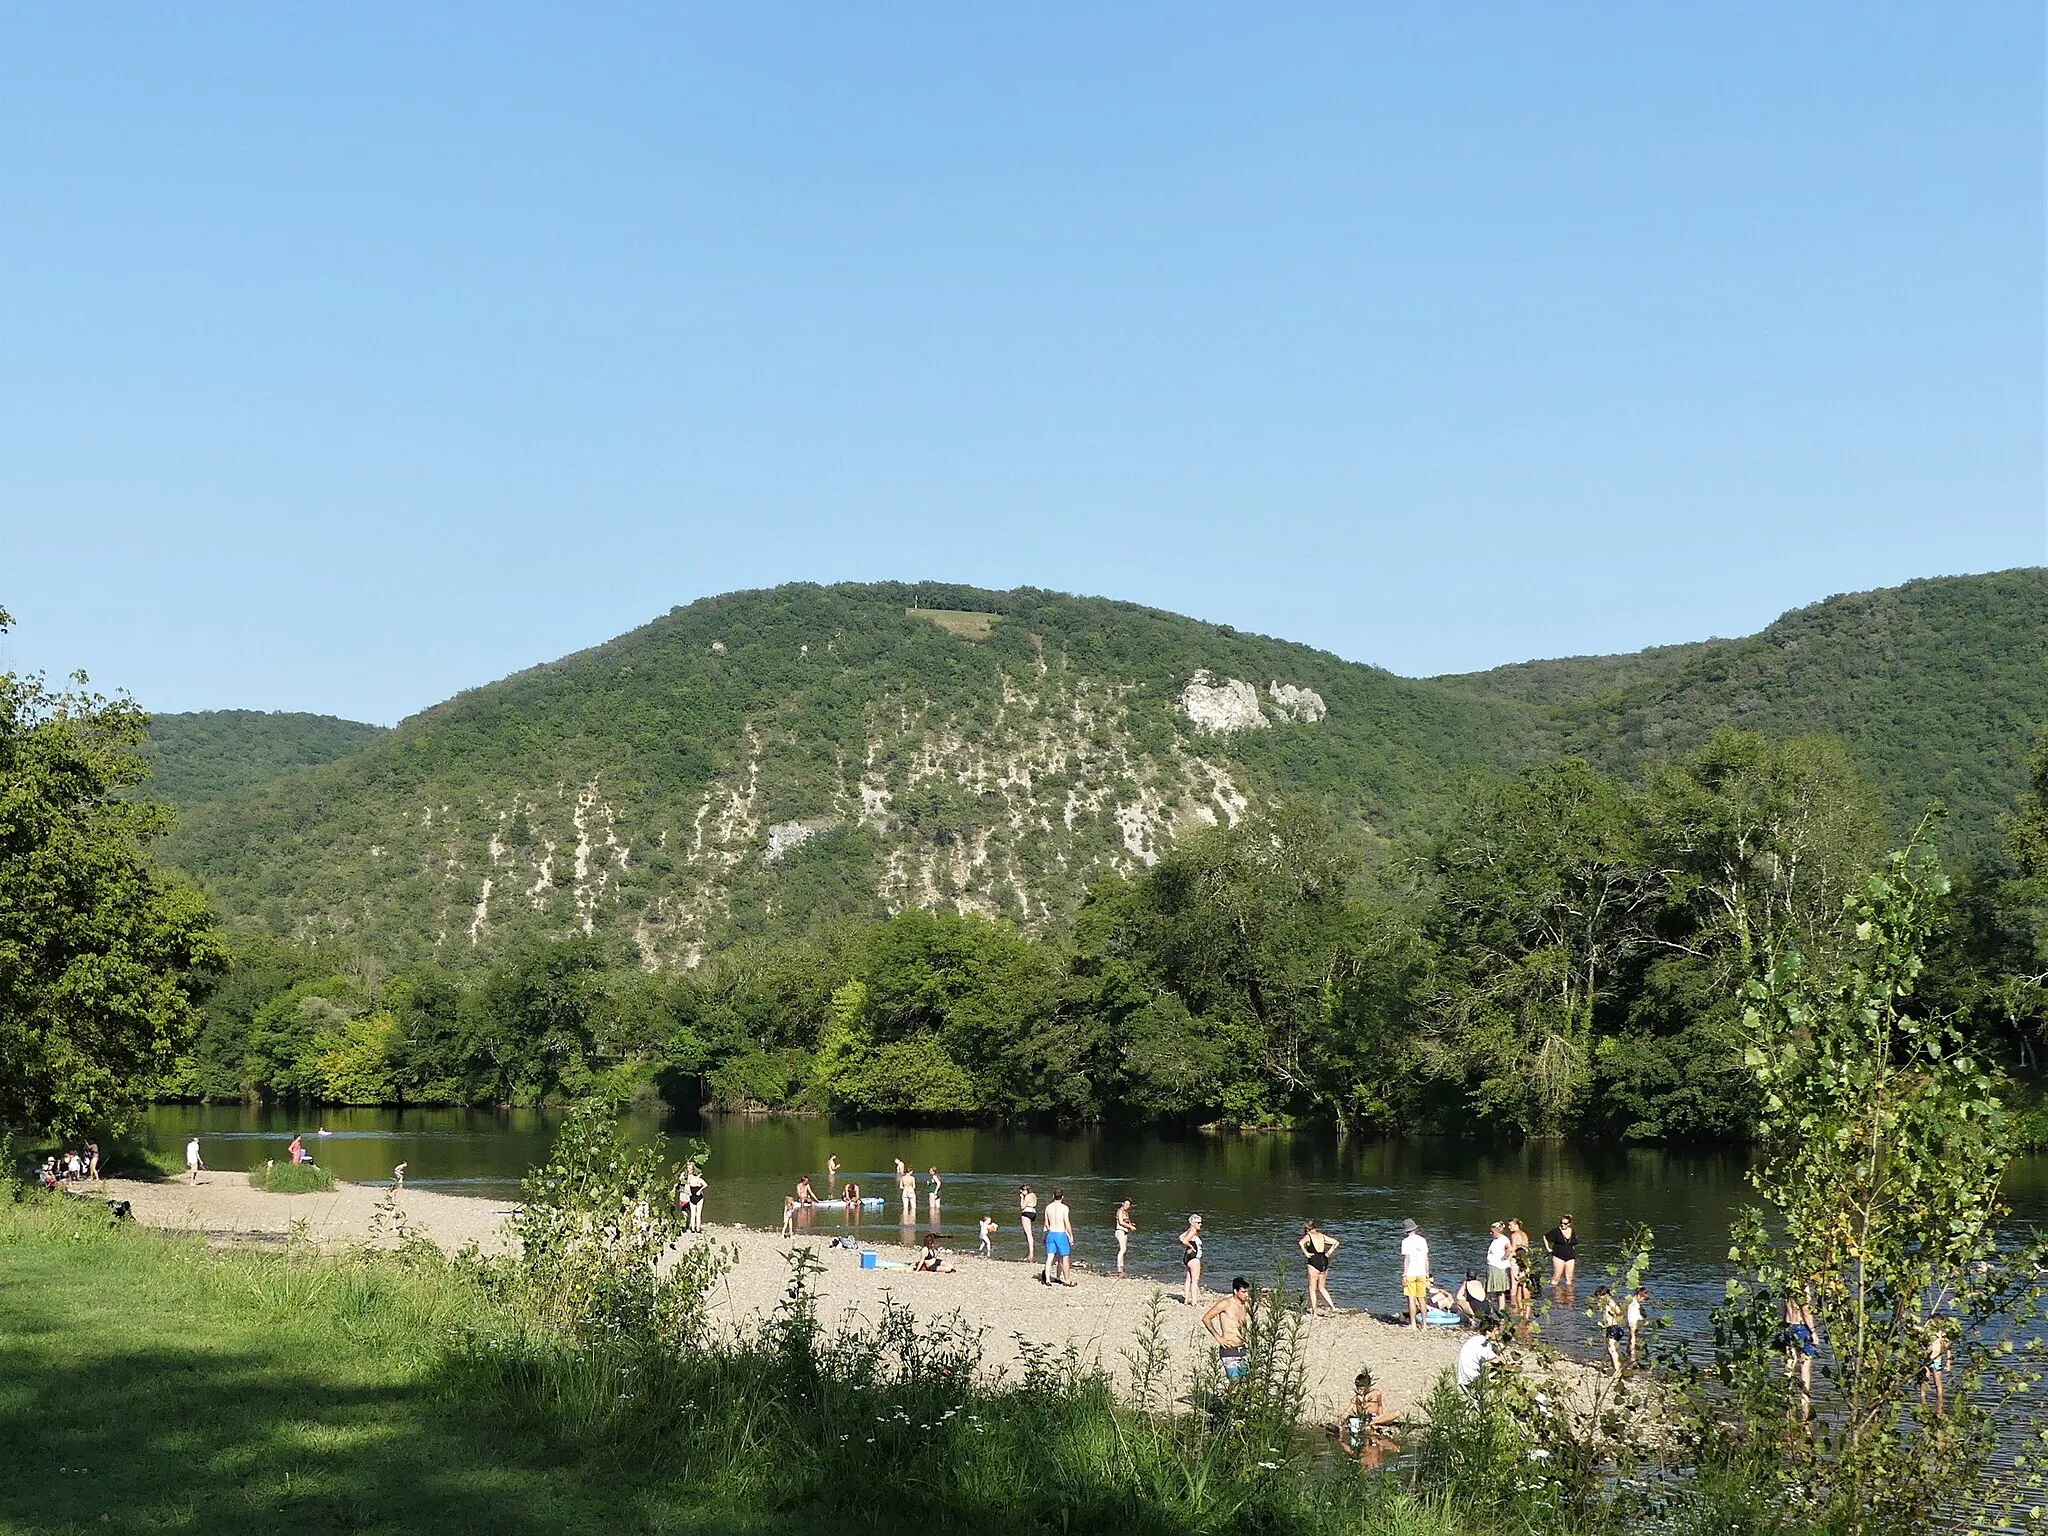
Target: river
[[1253, 1191]]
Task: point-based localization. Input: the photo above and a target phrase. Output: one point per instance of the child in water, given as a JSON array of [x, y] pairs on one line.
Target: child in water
[[988, 1232]]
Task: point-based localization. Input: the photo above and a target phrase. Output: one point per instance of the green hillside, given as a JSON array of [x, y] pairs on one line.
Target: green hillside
[[210, 753], [764, 760], [1936, 688]]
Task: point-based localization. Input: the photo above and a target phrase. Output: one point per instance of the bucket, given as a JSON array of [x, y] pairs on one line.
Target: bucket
[[867, 1260]]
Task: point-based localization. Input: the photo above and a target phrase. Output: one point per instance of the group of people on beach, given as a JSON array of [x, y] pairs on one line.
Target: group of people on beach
[[1511, 1281], [75, 1165]]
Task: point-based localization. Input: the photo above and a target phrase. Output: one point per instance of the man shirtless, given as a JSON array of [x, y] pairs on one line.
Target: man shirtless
[[1227, 1321], [1059, 1241]]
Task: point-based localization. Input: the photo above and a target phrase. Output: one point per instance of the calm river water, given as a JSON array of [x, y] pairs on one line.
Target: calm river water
[[1252, 1191]]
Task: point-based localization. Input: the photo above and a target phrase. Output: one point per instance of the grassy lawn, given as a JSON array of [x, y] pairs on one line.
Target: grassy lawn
[[149, 1384]]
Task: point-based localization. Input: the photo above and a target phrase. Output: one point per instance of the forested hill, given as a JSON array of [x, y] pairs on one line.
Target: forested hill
[[210, 753], [1936, 688], [764, 760]]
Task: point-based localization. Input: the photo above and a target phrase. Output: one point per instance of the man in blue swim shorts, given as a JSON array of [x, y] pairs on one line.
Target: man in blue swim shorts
[[1059, 1241], [1227, 1321]]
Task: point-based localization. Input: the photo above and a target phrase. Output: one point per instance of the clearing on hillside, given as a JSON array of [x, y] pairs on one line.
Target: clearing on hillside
[[963, 622]]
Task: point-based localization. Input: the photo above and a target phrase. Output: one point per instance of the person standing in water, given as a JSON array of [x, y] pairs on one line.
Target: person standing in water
[[1802, 1344], [988, 1236], [1191, 1261], [906, 1188], [1316, 1248], [1563, 1242], [1027, 1218], [1059, 1241], [831, 1174], [931, 1198], [1124, 1228], [1226, 1322]]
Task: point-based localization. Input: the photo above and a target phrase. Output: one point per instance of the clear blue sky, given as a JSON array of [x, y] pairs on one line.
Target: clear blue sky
[[350, 355]]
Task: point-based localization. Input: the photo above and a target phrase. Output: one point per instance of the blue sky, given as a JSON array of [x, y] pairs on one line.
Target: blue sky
[[353, 355]]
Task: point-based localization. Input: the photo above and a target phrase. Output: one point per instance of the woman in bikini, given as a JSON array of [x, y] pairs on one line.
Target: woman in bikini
[[1124, 1228], [1191, 1260], [1027, 1218], [1316, 1247]]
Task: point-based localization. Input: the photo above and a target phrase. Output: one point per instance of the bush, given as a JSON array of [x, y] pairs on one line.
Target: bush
[[291, 1179]]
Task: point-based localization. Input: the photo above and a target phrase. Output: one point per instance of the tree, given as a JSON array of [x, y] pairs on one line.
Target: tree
[[1885, 1140], [103, 954], [1543, 893]]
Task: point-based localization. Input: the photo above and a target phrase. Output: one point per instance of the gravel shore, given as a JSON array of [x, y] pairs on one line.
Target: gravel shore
[[1100, 1316]]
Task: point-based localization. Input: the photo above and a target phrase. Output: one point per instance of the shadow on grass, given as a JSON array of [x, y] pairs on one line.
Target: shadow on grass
[[267, 1439]]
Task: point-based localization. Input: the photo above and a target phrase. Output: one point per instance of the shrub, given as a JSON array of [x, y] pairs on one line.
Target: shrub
[[291, 1179]]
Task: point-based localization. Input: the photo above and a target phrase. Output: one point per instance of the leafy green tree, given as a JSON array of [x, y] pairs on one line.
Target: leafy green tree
[[1754, 845], [1543, 896], [103, 954], [1885, 1141]]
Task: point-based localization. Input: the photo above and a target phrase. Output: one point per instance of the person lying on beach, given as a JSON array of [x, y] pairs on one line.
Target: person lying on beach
[[933, 1260]]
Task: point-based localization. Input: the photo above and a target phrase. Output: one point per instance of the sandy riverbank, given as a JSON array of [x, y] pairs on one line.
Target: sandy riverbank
[[1100, 1316]]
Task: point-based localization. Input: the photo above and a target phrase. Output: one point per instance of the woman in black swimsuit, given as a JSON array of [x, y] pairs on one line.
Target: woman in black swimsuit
[[1316, 1247], [1027, 1217], [1191, 1260]]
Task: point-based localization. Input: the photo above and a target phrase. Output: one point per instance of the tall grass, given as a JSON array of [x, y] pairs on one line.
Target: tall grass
[[291, 1179]]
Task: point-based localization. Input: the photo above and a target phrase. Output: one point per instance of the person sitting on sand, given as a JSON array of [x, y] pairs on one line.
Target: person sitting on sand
[[1474, 1355], [988, 1236], [1369, 1418], [1125, 1226], [1471, 1302], [1226, 1322], [933, 1260]]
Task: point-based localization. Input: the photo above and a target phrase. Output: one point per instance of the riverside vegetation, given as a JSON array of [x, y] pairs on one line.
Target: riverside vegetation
[[1564, 955]]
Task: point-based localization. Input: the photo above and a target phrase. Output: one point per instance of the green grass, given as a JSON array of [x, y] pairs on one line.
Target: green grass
[[149, 1383], [291, 1179]]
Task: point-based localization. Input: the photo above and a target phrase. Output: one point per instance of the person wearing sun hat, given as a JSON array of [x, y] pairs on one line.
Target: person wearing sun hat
[[1414, 1272]]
